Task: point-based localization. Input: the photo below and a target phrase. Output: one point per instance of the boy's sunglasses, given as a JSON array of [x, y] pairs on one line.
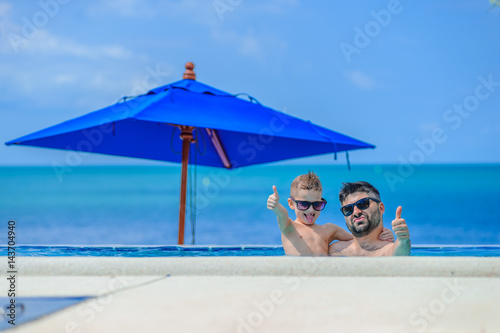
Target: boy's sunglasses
[[304, 205], [362, 204]]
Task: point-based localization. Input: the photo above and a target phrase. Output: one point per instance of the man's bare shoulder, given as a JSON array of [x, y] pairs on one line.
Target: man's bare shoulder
[[386, 249]]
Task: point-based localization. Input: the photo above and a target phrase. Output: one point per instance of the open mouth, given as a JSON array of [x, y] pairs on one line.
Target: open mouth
[[309, 217]]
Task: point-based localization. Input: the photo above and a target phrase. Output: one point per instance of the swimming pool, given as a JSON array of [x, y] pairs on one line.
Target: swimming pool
[[31, 308], [204, 251]]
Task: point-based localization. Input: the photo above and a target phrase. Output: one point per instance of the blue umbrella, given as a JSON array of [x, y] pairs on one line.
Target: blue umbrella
[[230, 132]]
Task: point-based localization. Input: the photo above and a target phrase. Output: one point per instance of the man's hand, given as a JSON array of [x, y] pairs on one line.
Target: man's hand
[[399, 226], [274, 200], [402, 247]]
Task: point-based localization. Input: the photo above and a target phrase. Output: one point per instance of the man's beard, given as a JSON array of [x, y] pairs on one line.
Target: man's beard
[[370, 223]]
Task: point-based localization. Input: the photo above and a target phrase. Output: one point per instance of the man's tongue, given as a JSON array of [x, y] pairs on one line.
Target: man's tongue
[[309, 217]]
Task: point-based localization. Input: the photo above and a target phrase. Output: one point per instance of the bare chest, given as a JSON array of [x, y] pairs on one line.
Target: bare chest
[[305, 241], [354, 250]]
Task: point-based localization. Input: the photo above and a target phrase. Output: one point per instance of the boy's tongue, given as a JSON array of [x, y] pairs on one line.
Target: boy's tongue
[[309, 217]]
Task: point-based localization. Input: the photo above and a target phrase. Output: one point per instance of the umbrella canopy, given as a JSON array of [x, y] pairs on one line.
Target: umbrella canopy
[[230, 132]]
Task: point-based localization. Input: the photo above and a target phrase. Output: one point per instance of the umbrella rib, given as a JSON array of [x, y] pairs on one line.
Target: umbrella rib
[[323, 135], [218, 147]]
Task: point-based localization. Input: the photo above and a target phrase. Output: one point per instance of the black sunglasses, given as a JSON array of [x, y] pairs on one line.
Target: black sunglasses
[[304, 205], [361, 204]]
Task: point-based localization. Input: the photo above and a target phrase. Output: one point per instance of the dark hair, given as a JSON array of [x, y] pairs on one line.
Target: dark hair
[[309, 181], [350, 188]]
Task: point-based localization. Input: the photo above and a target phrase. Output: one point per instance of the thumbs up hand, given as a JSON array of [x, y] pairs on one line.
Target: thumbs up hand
[[399, 226], [273, 203], [273, 200]]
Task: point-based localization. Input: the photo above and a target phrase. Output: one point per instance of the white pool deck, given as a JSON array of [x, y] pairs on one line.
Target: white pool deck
[[265, 294]]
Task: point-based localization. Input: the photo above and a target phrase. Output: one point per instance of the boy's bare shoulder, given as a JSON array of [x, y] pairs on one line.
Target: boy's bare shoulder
[[332, 226], [326, 230], [330, 229]]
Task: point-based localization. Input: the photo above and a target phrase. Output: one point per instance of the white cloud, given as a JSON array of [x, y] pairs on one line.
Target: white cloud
[[43, 42], [250, 46], [6, 26], [125, 8], [274, 6], [114, 51], [427, 129], [4, 8], [360, 79], [246, 45], [64, 79], [486, 129], [195, 11], [21, 37], [204, 14]]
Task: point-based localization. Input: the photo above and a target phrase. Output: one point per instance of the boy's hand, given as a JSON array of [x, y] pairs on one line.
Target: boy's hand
[[273, 200], [386, 235], [273, 203], [399, 226]]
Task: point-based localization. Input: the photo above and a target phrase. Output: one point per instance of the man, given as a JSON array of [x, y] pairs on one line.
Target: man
[[363, 210]]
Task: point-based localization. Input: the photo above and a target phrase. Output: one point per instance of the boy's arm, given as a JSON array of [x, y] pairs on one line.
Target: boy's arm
[[402, 246], [386, 235], [339, 234], [273, 203]]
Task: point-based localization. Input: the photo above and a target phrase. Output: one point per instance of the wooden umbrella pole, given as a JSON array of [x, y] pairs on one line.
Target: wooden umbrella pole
[[187, 137]]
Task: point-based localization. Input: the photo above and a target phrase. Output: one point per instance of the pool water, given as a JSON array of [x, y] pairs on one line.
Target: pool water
[[31, 308], [204, 251]]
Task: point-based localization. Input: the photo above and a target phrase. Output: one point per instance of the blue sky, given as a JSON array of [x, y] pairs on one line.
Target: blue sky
[[418, 79]]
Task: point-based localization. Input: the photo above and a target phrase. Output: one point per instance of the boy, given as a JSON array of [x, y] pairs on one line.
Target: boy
[[303, 236]]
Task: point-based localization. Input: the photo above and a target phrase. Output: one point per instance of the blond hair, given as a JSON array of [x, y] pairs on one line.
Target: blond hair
[[309, 181]]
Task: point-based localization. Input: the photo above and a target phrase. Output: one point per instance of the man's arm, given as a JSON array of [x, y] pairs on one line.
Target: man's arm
[[273, 203], [402, 246]]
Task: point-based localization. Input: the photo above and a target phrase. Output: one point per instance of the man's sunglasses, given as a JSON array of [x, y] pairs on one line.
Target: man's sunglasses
[[362, 204], [304, 205]]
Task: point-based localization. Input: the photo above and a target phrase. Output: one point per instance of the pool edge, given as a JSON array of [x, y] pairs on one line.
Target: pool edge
[[260, 266]]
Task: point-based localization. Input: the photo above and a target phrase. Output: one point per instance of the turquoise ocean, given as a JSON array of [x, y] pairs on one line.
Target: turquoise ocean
[[139, 205]]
